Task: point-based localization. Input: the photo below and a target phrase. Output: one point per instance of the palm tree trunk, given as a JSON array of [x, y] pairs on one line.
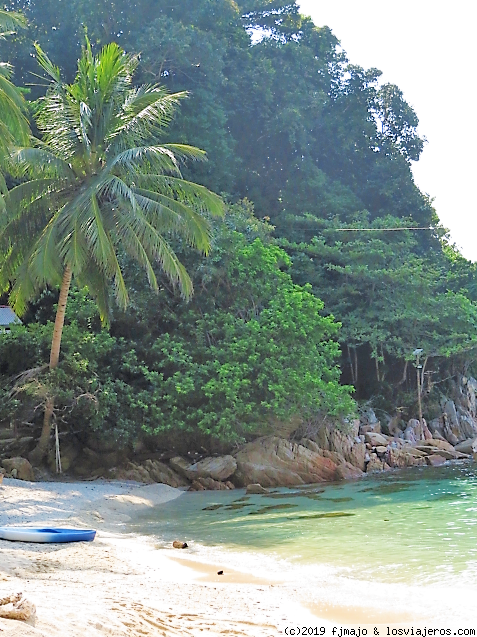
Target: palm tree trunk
[[60, 318], [39, 452]]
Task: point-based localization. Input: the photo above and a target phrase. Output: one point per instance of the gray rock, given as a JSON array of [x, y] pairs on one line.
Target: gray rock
[[256, 489], [375, 439], [219, 468], [19, 468], [181, 466], [467, 446]]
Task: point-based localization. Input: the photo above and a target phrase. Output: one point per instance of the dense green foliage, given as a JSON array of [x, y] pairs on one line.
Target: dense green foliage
[[318, 145], [223, 365]]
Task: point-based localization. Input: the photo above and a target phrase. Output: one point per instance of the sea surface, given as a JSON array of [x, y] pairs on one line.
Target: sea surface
[[411, 528]]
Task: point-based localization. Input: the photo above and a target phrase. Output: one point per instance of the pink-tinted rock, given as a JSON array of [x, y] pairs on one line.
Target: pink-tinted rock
[[435, 460], [273, 461]]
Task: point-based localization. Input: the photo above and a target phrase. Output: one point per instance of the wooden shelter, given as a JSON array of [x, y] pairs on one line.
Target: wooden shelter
[[7, 318]]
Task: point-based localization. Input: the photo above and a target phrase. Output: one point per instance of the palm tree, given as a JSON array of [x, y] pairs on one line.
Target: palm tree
[[13, 123], [98, 182]]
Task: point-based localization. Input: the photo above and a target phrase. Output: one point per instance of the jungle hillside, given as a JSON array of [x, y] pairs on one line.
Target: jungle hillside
[[234, 209]]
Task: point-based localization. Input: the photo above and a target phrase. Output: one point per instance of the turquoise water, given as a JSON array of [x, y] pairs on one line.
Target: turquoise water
[[417, 526]]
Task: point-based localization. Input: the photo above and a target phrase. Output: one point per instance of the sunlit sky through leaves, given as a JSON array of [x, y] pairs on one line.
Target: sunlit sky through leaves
[[427, 48]]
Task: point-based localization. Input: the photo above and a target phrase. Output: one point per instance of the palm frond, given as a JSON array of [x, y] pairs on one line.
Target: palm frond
[[39, 162], [10, 22], [193, 194], [23, 290], [47, 65], [137, 244], [188, 223], [98, 286], [103, 251], [162, 253], [145, 112], [46, 266], [158, 157], [12, 108]]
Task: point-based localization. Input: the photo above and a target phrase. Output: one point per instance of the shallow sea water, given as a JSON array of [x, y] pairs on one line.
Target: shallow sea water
[[415, 527]]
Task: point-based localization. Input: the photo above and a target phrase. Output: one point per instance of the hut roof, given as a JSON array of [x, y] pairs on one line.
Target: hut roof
[[7, 316]]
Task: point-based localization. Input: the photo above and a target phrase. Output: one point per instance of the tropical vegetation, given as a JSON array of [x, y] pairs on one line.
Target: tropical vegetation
[[329, 269]]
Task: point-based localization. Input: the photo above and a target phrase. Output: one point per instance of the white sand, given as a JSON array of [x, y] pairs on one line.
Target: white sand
[[122, 584]]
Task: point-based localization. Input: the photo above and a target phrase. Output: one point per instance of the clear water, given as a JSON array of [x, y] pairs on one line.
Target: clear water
[[417, 526]]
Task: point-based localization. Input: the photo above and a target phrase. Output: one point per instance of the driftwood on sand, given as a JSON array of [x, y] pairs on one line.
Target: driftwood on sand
[[19, 607]]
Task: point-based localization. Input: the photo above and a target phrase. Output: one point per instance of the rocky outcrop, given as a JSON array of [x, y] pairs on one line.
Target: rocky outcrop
[[272, 462], [18, 468], [435, 460], [467, 446], [149, 471], [376, 439], [219, 468], [209, 484], [351, 447], [406, 457], [345, 471], [458, 421], [376, 464], [180, 465], [416, 431]]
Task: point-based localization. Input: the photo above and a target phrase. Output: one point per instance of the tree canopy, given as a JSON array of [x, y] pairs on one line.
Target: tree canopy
[[322, 149]]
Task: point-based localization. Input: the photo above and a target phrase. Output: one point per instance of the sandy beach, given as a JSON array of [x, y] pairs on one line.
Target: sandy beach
[[123, 584], [127, 584]]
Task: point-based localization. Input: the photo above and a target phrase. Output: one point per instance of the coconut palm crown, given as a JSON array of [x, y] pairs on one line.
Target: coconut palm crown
[[13, 123], [99, 182]]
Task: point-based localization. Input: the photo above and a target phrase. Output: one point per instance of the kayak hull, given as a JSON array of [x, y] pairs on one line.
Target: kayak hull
[[45, 535]]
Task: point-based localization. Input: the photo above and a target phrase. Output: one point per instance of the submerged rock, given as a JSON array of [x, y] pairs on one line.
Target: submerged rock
[[256, 489]]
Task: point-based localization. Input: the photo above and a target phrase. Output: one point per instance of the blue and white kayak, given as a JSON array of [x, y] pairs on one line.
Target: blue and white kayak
[[50, 535]]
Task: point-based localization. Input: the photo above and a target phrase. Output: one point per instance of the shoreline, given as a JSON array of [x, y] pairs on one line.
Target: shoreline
[[121, 584], [125, 584]]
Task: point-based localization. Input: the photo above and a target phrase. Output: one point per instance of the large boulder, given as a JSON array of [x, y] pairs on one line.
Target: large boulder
[[346, 471], [18, 468], [209, 484], [350, 447], [131, 471], [445, 453], [181, 466], [436, 460], [457, 424], [416, 431], [467, 446], [149, 471], [275, 462], [405, 457], [375, 439], [218, 469], [440, 444], [162, 473], [376, 465]]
